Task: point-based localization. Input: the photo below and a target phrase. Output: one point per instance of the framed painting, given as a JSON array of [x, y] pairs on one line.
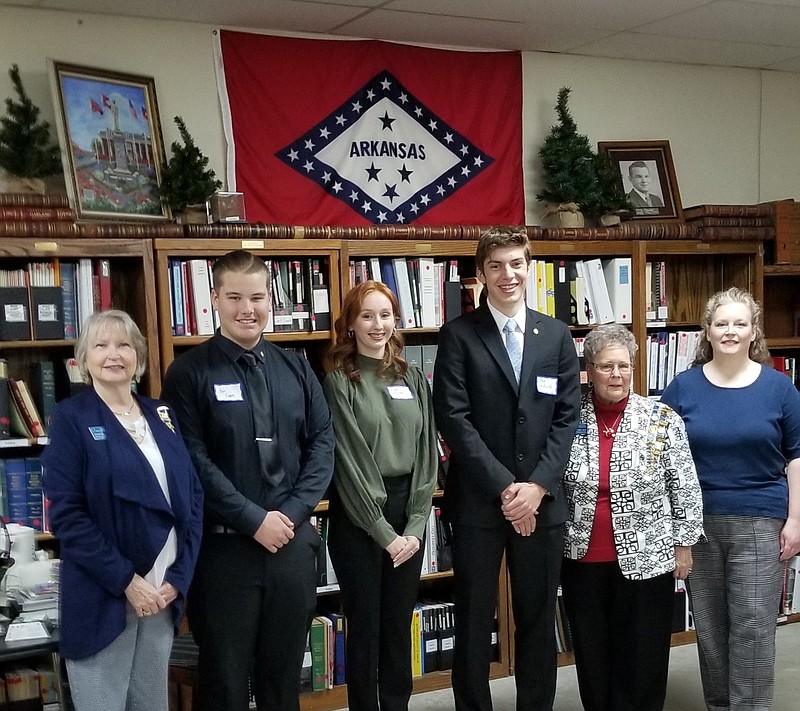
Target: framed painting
[[111, 144], [647, 177]]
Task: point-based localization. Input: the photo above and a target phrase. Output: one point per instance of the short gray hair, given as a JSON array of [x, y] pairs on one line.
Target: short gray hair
[[112, 317], [609, 335]]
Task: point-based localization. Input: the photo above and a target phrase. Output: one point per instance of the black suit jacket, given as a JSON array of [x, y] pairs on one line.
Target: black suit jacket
[[499, 433], [637, 201]]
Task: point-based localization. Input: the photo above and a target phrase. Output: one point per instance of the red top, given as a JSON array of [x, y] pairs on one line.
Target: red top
[[601, 542]]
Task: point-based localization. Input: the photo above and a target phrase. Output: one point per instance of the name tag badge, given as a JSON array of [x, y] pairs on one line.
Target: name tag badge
[[547, 385], [582, 430], [400, 392], [228, 392], [98, 433]]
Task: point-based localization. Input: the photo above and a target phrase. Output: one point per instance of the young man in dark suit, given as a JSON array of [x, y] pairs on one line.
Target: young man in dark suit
[[506, 395]]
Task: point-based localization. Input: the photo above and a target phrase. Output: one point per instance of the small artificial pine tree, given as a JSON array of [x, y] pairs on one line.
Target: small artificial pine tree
[[185, 179], [567, 161], [611, 199], [25, 147]]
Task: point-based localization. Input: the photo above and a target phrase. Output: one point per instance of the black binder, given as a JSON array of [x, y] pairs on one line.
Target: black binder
[[47, 313], [15, 324]]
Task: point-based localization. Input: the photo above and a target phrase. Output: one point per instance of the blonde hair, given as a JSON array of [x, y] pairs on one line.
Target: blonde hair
[[758, 347], [121, 320]]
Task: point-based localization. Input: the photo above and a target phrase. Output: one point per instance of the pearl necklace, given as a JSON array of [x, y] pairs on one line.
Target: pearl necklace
[[609, 432]]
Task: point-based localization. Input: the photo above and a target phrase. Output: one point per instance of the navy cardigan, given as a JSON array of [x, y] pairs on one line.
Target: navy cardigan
[[111, 517]]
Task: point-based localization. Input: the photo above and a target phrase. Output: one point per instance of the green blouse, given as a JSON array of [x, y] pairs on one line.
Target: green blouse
[[379, 436]]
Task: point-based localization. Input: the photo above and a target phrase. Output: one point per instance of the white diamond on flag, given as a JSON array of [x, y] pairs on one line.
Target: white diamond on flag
[[383, 153]]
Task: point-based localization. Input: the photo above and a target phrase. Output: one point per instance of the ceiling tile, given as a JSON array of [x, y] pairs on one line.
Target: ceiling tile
[[600, 14], [634, 45], [468, 32], [758, 23]]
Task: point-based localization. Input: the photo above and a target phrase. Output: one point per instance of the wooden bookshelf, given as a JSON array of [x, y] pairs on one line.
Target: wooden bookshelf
[[133, 290], [139, 258], [166, 249]]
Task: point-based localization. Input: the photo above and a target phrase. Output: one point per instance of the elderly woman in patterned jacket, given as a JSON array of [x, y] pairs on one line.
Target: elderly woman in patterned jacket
[[635, 510]]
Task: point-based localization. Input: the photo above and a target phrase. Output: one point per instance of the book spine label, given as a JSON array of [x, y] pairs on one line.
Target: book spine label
[[36, 214]]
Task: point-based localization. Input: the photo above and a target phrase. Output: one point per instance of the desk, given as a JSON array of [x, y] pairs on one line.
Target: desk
[[24, 650]]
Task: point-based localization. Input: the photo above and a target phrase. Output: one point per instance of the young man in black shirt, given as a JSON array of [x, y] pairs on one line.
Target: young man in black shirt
[[257, 426]]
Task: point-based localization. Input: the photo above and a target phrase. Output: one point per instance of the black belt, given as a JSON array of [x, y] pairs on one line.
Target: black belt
[[219, 528]]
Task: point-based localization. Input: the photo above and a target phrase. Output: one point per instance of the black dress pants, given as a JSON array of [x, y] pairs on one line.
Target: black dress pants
[[378, 603], [621, 631], [250, 611], [534, 563]]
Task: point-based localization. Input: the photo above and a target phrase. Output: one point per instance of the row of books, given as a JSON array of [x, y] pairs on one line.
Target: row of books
[[582, 292], [437, 552], [788, 366], [21, 497], [300, 296], [669, 353], [756, 222], [22, 683], [26, 406], [432, 643], [428, 290], [790, 594], [579, 292], [423, 357], [50, 300]]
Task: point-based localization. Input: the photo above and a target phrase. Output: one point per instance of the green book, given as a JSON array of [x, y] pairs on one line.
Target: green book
[[319, 657], [45, 390]]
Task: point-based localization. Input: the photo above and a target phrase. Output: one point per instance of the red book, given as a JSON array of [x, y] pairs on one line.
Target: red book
[[102, 270]]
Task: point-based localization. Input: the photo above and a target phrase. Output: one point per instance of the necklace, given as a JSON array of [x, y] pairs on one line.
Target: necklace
[[609, 432], [137, 430], [127, 413]]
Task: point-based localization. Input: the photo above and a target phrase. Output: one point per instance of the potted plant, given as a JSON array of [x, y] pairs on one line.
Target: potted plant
[[186, 182], [26, 152], [568, 163], [611, 203]]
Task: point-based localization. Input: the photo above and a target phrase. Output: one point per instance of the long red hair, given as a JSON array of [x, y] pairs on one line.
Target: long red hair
[[344, 353]]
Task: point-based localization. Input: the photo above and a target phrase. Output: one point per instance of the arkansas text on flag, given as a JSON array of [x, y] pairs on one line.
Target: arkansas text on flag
[[368, 132]]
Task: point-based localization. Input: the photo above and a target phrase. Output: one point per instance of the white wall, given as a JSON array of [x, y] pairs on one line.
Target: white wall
[[733, 132]]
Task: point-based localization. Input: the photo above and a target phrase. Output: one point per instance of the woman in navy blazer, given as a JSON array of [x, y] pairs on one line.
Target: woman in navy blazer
[[126, 507]]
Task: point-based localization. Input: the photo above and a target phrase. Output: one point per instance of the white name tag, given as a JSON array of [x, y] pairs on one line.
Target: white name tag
[[229, 392], [547, 385], [400, 392]]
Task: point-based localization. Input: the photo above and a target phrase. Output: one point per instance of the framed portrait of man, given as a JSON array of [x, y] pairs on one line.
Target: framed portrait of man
[[647, 177]]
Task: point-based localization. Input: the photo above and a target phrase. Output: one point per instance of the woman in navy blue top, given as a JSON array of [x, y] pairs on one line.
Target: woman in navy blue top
[[743, 422], [126, 507]]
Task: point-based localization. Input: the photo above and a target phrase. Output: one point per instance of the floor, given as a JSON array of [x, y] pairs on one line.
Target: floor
[[683, 691]]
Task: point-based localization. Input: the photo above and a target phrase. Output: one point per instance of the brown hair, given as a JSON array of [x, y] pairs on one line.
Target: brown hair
[[344, 353], [501, 237], [758, 347], [239, 261]]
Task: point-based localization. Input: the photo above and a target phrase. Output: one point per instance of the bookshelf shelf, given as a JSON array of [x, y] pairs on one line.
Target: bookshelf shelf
[[783, 343], [23, 345], [281, 336]]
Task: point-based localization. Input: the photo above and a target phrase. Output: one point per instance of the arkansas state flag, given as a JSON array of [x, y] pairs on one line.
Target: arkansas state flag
[[356, 132]]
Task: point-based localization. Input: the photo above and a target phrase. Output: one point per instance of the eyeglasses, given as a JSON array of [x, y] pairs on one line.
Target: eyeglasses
[[608, 368]]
